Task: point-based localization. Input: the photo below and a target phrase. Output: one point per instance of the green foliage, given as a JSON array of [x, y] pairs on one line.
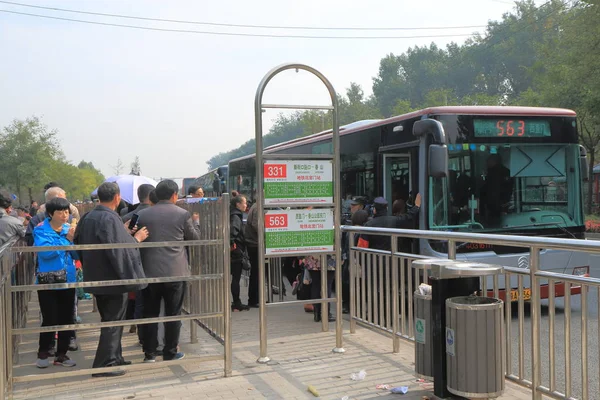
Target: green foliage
[[546, 56], [30, 157], [354, 107]]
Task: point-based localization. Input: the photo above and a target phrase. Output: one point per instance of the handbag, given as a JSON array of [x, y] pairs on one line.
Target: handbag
[[45, 278], [246, 265]]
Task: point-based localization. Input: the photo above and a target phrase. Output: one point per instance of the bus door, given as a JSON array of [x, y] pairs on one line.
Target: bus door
[[397, 178]]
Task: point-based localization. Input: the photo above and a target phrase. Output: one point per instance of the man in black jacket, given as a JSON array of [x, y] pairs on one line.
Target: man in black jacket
[[238, 249], [102, 225]]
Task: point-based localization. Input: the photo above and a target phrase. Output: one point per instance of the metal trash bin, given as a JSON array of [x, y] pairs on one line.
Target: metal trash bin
[[424, 359], [475, 346], [423, 337]]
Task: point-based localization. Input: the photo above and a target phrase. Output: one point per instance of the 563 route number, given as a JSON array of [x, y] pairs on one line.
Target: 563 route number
[[276, 221], [275, 171]]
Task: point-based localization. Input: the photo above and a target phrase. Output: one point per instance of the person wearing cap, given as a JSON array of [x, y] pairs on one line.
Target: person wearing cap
[[357, 203], [381, 219]]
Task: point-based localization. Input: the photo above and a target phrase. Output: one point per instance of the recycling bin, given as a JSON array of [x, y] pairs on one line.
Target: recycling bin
[[423, 329], [475, 346], [423, 336]]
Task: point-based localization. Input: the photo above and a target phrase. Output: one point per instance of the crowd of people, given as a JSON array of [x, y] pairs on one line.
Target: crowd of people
[[304, 273], [57, 222], [158, 218]]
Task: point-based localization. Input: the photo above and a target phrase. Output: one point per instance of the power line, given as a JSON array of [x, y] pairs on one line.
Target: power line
[[147, 28], [239, 25]]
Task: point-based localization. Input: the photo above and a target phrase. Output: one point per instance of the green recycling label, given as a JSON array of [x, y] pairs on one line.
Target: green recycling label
[[298, 182], [420, 330], [292, 231]]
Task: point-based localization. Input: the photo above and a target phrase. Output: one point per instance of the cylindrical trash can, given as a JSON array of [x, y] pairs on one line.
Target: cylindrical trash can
[[475, 346], [423, 336]]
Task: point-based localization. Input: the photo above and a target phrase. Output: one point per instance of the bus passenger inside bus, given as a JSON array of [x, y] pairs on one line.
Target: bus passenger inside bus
[[496, 191]]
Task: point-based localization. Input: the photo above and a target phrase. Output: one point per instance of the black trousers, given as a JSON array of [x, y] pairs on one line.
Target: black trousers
[[236, 275], [173, 294], [315, 288], [57, 309], [112, 307], [253, 284]]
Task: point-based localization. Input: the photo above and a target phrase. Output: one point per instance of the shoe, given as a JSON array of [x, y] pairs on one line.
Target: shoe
[[317, 317], [331, 318], [73, 345], [42, 363], [64, 361], [308, 308], [123, 362], [239, 307], [253, 305], [159, 352], [109, 374], [133, 329], [149, 359], [345, 309], [179, 356]]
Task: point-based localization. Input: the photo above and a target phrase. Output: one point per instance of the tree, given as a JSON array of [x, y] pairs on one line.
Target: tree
[[27, 148], [135, 167], [118, 168]]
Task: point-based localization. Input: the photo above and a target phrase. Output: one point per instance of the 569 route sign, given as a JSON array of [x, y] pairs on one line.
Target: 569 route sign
[[293, 231], [300, 182]]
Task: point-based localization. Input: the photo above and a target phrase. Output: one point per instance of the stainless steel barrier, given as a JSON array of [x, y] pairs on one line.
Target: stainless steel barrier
[[384, 280], [207, 303]]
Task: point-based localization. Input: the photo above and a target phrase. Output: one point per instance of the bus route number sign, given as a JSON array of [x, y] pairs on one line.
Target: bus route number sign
[[299, 182], [293, 231]]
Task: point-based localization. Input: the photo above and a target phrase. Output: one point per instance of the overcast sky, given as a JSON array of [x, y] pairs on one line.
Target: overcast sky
[[176, 99]]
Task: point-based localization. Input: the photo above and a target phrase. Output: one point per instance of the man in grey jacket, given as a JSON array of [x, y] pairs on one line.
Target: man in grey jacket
[[102, 225], [167, 222], [9, 225]]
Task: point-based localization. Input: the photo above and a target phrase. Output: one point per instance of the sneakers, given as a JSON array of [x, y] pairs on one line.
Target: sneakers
[[42, 363], [64, 361], [149, 359], [73, 345], [179, 356]]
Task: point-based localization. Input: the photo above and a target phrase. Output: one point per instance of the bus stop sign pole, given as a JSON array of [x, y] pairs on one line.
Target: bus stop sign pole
[[334, 206]]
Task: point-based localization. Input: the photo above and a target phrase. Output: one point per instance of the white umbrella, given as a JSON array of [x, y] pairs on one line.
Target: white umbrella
[[129, 185]]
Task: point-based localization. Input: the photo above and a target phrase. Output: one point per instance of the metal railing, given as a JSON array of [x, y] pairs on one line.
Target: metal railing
[[382, 284], [206, 304]]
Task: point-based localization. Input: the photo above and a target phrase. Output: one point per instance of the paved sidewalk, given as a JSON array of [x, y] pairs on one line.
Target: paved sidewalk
[[301, 356]]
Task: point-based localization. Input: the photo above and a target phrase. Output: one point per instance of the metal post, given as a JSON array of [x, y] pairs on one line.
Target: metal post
[[324, 294], [259, 163], [584, 342], [9, 336], [395, 293], [3, 345], [353, 283], [451, 250], [536, 360], [262, 311], [226, 286], [191, 295]]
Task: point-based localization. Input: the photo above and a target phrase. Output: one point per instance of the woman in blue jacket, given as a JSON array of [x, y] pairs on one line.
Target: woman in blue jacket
[[55, 266]]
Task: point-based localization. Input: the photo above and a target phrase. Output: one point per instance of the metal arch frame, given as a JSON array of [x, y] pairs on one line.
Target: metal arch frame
[[259, 160]]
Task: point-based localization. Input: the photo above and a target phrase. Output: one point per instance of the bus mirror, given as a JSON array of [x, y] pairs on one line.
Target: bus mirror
[[438, 161], [583, 163]]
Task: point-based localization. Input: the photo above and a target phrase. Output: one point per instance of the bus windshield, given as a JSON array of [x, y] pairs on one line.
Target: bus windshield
[[497, 187]]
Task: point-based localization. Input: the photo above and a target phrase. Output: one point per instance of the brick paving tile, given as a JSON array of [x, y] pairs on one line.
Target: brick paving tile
[[301, 356]]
